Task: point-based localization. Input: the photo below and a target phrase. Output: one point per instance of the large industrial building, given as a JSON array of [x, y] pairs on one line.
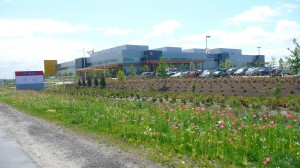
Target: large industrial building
[[122, 57]]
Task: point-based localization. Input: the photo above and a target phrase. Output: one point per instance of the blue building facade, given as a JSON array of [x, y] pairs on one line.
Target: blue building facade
[[122, 57]]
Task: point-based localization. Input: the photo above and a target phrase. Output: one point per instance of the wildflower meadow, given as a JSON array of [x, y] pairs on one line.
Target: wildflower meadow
[[175, 133]]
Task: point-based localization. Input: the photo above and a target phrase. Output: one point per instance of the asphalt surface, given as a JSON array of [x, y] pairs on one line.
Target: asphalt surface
[[12, 155], [30, 141]]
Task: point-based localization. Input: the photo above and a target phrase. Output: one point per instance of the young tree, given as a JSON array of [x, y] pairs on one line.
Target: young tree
[[227, 63], [102, 80], [294, 59], [182, 68], [191, 66], [145, 68], [89, 81], [281, 63], [96, 81], [121, 77], [132, 71], [162, 68]]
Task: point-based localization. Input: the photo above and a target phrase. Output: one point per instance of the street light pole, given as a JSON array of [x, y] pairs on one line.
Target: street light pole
[[84, 64], [206, 43], [258, 50]]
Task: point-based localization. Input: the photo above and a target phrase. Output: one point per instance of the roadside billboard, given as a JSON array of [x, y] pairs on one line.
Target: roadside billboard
[[29, 80]]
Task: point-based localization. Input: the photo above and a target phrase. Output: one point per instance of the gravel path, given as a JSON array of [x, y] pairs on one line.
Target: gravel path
[[52, 146]]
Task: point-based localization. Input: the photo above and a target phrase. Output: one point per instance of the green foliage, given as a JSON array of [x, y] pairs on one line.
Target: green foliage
[[146, 68], [277, 90], [231, 137], [83, 82], [96, 83], [121, 76], [294, 59], [193, 87], [132, 71], [162, 68], [102, 81], [89, 81], [191, 66]]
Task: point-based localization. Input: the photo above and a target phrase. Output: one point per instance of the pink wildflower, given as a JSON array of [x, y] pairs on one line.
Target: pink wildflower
[[142, 119], [263, 127], [288, 127], [295, 121], [145, 133], [171, 109], [272, 124], [254, 125], [289, 115], [266, 160], [254, 116], [155, 133], [214, 130], [202, 109], [193, 126]]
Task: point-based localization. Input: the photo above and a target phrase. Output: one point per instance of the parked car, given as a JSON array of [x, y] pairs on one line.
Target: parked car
[[219, 73], [171, 73], [194, 73], [240, 71], [206, 74], [148, 74], [275, 72], [263, 71], [252, 71], [231, 71], [178, 74]]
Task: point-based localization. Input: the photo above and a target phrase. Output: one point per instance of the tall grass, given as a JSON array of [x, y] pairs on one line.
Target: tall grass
[[203, 136]]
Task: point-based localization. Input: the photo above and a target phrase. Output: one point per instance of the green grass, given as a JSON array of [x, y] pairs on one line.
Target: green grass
[[175, 134]]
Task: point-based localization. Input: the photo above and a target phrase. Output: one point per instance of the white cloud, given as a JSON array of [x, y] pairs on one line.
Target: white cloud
[[28, 53], [15, 27], [273, 43], [117, 31], [164, 28], [255, 14], [288, 7]]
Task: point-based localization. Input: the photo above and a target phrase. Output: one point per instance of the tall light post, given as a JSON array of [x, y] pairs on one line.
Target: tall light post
[[206, 43], [258, 50], [84, 64]]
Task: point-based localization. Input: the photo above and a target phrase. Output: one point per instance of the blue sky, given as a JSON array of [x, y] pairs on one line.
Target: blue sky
[[34, 30]]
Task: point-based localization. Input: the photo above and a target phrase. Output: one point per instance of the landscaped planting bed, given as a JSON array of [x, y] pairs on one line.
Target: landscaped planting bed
[[177, 129]]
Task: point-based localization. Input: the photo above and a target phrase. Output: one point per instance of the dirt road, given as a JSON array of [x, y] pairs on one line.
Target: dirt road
[[52, 146]]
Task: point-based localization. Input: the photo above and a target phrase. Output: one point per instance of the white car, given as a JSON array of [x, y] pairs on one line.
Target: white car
[[178, 74]]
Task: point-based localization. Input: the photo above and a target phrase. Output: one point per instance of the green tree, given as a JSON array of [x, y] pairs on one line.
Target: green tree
[[281, 63], [227, 63], [161, 70], [121, 77], [182, 68], [294, 59], [79, 82], [146, 68], [89, 81], [191, 66], [222, 64], [132, 71], [96, 81], [102, 80]]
